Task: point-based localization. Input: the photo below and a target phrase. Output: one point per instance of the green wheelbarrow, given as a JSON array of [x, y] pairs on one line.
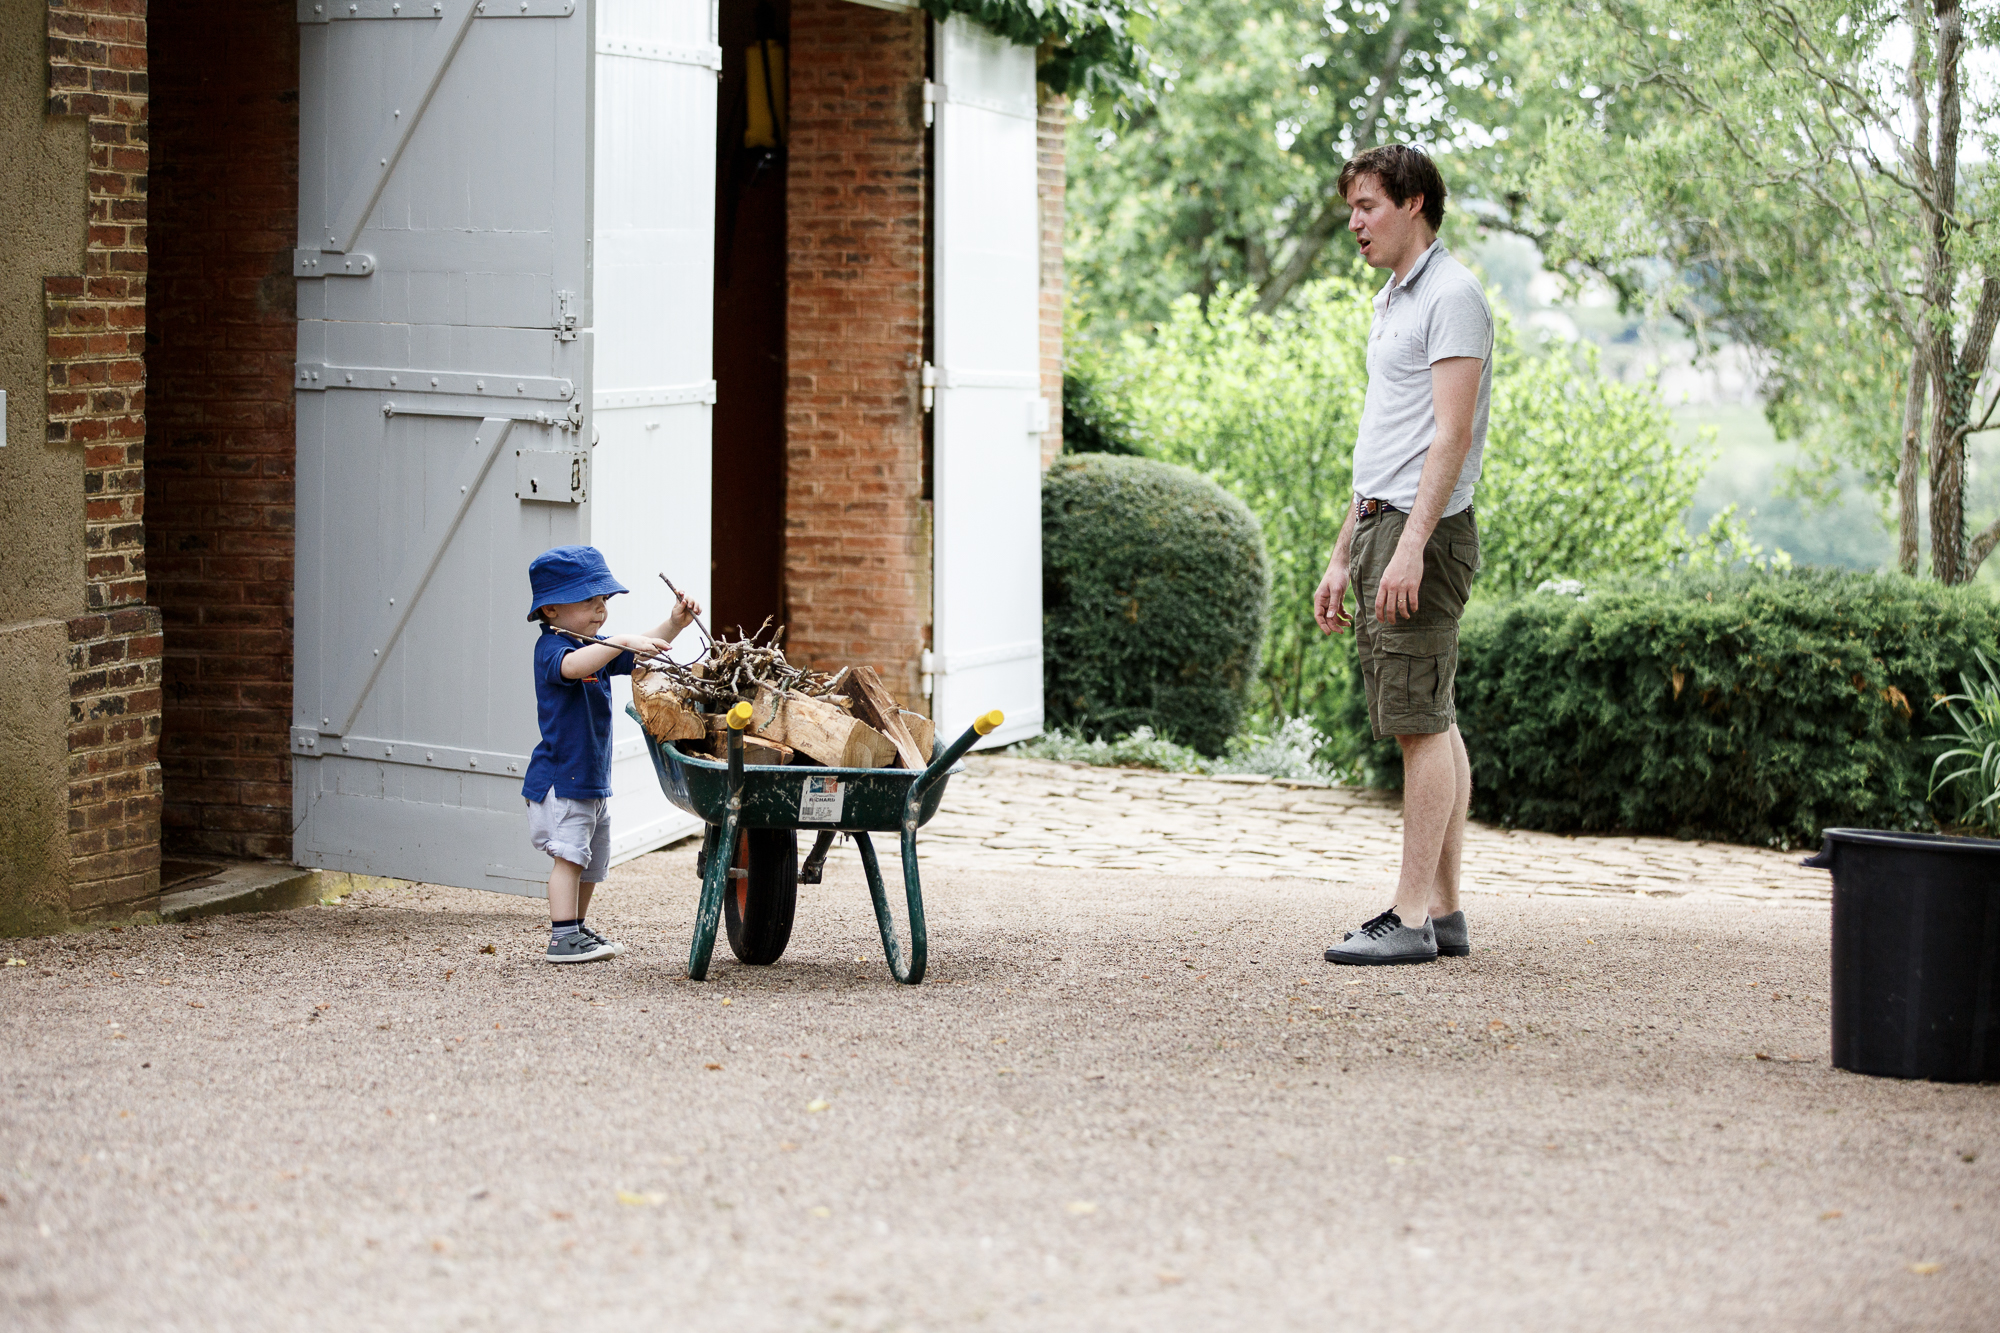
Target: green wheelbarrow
[[753, 813]]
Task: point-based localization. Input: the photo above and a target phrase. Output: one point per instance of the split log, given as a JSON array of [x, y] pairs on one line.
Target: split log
[[819, 731], [662, 711], [875, 706], [922, 730], [756, 749]]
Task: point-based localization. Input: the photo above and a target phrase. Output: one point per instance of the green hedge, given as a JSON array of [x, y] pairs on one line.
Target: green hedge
[[1154, 592], [1758, 707]]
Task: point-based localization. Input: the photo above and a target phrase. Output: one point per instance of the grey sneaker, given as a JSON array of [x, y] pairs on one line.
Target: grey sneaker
[[1454, 941], [581, 947], [615, 946], [1384, 941]]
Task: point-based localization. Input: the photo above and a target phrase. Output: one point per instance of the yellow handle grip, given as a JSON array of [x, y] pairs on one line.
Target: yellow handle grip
[[739, 717], [988, 723]]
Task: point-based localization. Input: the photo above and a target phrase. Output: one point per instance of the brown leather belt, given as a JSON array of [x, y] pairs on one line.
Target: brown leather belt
[[1370, 508]]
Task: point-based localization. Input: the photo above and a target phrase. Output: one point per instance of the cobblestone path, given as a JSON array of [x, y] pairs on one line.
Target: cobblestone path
[[1005, 811]]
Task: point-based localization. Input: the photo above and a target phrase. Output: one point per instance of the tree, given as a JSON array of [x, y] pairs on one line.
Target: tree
[[1227, 177], [1813, 178]]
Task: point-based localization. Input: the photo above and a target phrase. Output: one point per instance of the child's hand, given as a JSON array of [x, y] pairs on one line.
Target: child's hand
[[643, 645], [685, 611]]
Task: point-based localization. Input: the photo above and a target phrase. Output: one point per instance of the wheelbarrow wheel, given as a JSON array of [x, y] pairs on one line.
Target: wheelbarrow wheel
[[758, 908]]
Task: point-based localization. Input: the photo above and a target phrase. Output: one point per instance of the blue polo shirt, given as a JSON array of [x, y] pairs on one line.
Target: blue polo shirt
[[574, 754]]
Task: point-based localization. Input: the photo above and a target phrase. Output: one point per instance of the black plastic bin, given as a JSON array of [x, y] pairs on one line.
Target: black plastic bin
[[1916, 954]]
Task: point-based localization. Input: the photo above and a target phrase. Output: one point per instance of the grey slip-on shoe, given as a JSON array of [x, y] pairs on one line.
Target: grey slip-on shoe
[[1386, 941], [1454, 940]]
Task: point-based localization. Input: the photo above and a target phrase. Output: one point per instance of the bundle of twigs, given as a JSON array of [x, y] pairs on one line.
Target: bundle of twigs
[[732, 669]]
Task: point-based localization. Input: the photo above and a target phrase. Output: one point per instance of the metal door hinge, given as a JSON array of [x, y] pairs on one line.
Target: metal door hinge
[[311, 262], [930, 386], [566, 316], [933, 94]]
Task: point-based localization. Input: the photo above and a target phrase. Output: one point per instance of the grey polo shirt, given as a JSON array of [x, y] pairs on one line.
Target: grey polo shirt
[[1438, 311]]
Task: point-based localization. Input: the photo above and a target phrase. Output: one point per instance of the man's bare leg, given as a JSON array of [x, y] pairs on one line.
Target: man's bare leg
[[1444, 898], [1433, 823]]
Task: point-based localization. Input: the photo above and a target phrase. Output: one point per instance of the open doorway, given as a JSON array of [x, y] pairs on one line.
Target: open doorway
[[748, 508]]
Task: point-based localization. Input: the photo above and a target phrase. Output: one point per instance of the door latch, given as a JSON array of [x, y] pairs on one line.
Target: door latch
[[565, 317]]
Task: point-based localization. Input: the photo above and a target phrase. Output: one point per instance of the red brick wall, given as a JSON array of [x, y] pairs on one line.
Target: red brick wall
[[857, 553], [219, 483], [96, 324], [1051, 164]]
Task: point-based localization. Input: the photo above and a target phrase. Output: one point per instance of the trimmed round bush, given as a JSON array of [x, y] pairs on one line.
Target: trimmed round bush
[[1155, 588]]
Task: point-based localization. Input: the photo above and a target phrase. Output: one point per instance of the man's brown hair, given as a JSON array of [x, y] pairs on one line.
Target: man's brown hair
[[1404, 171]]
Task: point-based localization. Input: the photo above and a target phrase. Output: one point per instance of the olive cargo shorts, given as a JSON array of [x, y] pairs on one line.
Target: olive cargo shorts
[[1410, 668]]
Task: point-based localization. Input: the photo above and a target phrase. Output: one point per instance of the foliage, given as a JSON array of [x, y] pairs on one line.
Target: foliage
[[1088, 48], [1227, 178], [1093, 421], [1977, 742], [1744, 705], [1582, 475], [1292, 753], [1154, 589], [1812, 178], [1267, 406]]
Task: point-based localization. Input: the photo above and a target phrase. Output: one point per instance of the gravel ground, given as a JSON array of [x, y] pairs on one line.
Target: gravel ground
[[1124, 1100]]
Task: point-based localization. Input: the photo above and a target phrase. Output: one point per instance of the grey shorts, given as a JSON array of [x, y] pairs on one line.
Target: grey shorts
[[578, 832], [1410, 668]]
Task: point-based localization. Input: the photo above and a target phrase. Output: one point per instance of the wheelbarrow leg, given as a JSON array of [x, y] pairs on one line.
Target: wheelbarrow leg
[[815, 865], [719, 854], [718, 857], [885, 919]]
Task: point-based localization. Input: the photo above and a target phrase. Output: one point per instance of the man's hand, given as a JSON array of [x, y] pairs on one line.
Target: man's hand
[[1330, 599], [1396, 597]]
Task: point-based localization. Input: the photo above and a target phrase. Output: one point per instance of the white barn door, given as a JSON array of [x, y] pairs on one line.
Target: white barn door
[[986, 443], [657, 62]]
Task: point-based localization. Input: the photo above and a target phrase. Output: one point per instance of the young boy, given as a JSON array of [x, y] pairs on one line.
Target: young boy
[[569, 774]]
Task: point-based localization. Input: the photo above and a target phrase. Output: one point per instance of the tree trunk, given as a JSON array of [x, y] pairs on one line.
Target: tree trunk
[[1950, 392], [1947, 463], [1912, 464]]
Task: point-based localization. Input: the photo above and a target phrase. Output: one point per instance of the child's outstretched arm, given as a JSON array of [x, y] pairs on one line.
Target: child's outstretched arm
[[588, 657]]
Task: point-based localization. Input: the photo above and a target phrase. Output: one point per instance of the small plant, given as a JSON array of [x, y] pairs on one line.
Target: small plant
[[1292, 753], [1977, 744]]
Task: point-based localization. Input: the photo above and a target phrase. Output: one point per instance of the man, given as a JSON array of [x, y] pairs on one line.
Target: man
[[1409, 547]]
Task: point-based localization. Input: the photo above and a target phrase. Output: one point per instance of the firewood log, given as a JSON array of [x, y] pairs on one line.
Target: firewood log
[[819, 731], [922, 730], [756, 749], [662, 711], [874, 705]]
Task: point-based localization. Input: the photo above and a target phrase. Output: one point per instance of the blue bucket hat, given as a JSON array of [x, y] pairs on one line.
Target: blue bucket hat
[[569, 574]]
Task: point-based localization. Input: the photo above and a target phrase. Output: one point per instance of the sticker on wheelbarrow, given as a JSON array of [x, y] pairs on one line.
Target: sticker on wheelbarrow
[[821, 801]]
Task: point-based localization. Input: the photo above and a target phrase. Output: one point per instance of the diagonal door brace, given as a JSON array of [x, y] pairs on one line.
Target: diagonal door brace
[[371, 651], [395, 136]]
